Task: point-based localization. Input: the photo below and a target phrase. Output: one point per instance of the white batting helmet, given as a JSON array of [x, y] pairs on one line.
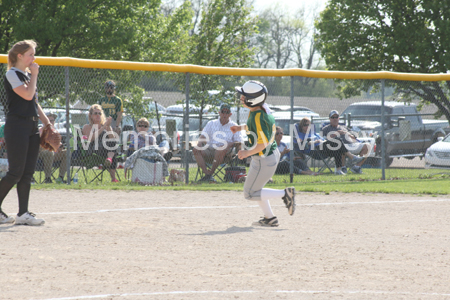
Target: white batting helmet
[[254, 91]]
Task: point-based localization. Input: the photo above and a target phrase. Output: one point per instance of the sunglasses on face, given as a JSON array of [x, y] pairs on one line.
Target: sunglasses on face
[[142, 125], [96, 113], [334, 117]]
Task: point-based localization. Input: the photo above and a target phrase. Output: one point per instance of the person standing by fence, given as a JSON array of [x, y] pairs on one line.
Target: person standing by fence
[[21, 129], [112, 105], [263, 150]]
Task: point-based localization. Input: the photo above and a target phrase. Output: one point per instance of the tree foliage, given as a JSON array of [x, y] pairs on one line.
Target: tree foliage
[[132, 30], [285, 39], [95, 29], [400, 36], [220, 40]]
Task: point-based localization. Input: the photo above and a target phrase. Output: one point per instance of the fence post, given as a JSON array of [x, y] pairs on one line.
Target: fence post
[[186, 130], [383, 142], [69, 150], [291, 156]]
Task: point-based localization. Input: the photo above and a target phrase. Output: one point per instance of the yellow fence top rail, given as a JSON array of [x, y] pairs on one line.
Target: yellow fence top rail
[[161, 67]]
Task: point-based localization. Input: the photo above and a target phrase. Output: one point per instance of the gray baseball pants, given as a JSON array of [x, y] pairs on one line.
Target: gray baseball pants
[[260, 171]]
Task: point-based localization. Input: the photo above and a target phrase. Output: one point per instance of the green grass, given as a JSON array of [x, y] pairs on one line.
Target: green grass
[[398, 181]]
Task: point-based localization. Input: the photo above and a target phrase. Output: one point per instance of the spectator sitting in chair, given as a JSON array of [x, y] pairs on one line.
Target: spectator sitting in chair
[[317, 147], [48, 158], [215, 142], [99, 128], [283, 167], [336, 130], [142, 137]]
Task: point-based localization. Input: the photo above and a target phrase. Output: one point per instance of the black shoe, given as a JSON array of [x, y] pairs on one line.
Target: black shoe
[[48, 180], [289, 199], [272, 222]]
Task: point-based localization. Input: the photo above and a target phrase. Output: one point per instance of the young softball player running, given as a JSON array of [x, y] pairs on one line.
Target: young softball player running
[[261, 131]]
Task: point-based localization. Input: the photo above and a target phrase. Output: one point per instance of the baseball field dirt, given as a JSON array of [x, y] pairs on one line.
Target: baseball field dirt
[[202, 245]]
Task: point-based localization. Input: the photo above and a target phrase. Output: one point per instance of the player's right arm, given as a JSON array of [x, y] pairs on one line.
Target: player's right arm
[[237, 128]]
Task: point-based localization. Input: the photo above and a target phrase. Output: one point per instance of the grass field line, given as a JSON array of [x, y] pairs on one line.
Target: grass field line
[[244, 206], [246, 292]]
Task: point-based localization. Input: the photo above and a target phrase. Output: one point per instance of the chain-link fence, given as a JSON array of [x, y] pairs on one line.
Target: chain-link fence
[[395, 123]]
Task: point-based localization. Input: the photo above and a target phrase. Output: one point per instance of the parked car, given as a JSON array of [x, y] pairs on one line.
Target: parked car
[[297, 115], [287, 108], [194, 129], [152, 107], [438, 154], [77, 116], [406, 136], [243, 113], [59, 112], [179, 109]]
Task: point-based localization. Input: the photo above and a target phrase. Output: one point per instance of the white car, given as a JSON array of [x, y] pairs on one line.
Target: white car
[[438, 154], [287, 108], [297, 114], [179, 109], [243, 114], [151, 105], [77, 117]]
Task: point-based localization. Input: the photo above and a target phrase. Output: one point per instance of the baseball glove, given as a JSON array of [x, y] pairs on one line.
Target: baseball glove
[[50, 138]]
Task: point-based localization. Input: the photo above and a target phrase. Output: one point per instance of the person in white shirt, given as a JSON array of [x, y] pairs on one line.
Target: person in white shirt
[[215, 142]]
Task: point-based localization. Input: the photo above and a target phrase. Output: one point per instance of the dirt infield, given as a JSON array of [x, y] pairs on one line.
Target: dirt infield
[[201, 245]]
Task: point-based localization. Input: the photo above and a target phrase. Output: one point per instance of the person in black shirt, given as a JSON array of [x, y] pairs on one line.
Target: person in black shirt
[[21, 129]]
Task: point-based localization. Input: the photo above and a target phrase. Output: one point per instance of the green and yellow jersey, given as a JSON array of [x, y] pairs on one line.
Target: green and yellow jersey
[[111, 106], [261, 129]]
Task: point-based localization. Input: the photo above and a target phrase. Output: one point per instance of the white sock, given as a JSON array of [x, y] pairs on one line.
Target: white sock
[[267, 210], [267, 194]]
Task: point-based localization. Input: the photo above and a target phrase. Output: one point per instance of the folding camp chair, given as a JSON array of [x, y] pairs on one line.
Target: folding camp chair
[[318, 161], [39, 176], [314, 157], [87, 163], [230, 160]]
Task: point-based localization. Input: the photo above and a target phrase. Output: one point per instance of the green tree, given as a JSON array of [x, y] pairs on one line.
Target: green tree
[[220, 40], [286, 40], [400, 36], [136, 30], [98, 29]]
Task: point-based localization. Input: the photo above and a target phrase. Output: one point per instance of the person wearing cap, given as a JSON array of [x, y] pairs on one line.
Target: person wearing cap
[[48, 158], [112, 105], [308, 142], [334, 130], [215, 142], [261, 130]]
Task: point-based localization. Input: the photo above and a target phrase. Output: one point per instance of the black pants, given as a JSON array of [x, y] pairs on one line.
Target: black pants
[[102, 151], [22, 143], [330, 149]]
